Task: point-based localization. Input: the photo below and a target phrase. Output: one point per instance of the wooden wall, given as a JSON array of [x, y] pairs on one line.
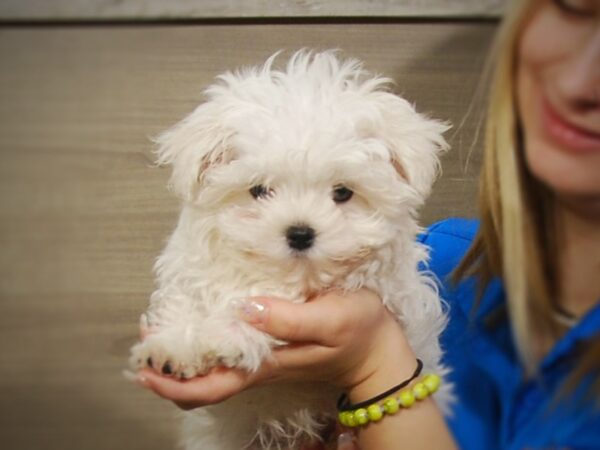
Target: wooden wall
[[144, 10], [83, 213]]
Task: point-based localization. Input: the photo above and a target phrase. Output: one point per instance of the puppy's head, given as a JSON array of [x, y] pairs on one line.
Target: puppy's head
[[306, 169]]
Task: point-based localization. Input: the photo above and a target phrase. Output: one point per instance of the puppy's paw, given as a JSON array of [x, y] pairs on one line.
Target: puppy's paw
[[241, 346], [166, 352], [195, 351]]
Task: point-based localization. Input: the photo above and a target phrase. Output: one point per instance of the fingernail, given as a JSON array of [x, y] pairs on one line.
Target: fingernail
[[345, 441], [137, 378], [142, 381], [250, 310], [129, 375]]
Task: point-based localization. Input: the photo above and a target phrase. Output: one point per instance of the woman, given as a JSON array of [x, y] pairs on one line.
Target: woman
[[524, 333]]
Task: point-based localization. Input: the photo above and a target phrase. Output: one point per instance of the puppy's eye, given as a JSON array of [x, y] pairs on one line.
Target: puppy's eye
[[341, 194], [259, 191]]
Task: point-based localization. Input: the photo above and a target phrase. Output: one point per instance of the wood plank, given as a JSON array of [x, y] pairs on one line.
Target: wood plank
[[212, 9], [83, 213]]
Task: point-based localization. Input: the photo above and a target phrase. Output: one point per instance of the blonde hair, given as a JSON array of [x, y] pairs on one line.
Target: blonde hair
[[517, 239]]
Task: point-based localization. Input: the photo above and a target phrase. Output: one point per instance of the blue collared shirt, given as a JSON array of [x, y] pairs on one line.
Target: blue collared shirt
[[497, 408]]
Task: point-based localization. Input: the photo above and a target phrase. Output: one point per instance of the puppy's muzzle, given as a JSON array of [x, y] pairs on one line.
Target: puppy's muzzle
[[300, 237]]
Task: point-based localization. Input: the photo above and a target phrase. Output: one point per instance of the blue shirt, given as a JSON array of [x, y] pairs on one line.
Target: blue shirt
[[496, 407]]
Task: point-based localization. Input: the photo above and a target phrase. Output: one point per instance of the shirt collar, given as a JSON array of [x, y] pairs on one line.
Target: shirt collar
[[587, 328]]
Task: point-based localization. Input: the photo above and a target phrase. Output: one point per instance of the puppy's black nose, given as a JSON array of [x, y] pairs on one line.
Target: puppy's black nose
[[300, 237]]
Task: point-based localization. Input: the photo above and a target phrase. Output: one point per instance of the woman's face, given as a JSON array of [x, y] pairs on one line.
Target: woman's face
[[558, 87]]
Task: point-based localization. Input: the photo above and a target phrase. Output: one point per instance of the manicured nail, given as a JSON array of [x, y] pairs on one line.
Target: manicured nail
[[137, 378], [142, 380], [129, 375], [345, 441], [250, 310]]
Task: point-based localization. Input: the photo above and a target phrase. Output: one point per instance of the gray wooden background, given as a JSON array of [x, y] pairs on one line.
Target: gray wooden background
[[83, 213], [143, 10]]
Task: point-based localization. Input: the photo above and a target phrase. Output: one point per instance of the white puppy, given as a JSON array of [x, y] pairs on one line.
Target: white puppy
[[293, 181]]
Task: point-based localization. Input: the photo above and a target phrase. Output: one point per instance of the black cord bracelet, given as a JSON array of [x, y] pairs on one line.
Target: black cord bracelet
[[343, 403]]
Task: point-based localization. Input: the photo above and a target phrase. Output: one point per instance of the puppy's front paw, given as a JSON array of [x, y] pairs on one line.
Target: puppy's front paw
[[240, 346], [194, 351], [166, 352]]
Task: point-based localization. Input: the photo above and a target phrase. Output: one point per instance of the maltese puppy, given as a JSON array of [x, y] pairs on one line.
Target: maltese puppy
[[293, 181]]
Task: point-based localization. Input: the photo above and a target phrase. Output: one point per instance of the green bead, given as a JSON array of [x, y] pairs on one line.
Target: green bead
[[406, 398], [391, 405], [344, 418], [432, 381], [350, 420], [420, 391], [361, 416], [375, 413]]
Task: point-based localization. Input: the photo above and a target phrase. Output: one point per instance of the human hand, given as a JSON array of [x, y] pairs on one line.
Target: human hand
[[348, 340], [216, 386], [339, 338]]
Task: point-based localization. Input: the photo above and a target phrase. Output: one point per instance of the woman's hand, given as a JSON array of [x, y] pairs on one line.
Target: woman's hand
[[349, 340]]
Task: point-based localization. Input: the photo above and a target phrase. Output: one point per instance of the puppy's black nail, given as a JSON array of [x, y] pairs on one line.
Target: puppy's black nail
[[166, 368], [149, 361]]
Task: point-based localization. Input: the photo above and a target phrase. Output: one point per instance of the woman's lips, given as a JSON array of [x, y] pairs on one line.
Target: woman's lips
[[568, 136]]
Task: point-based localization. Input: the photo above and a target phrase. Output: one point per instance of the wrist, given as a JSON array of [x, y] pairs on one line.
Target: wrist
[[381, 380], [390, 362]]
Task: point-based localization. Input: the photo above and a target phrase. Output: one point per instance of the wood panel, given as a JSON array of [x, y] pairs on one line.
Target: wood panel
[[83, 212], [211, 9]]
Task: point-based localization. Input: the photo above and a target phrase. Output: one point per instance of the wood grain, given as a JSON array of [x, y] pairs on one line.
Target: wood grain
[[218, 9], [83, 212]]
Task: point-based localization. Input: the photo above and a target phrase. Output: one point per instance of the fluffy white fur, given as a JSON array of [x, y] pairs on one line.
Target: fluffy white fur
[[319, 123]]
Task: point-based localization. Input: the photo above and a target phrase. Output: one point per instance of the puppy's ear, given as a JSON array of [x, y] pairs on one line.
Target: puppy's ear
[[193, 146], [413, 140]]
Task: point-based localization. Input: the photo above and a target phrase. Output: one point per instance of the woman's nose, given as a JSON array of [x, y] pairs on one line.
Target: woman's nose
[[580, 80]]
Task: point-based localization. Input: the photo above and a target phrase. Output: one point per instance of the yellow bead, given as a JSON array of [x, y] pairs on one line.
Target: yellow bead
[[406, 398], [391, 405], [420, 391], [352, 421], [344, 418], [375, 413], [432, 381], [361, 416]]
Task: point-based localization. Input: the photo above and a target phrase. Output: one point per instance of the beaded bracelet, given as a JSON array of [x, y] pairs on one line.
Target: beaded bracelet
[[372, 411]]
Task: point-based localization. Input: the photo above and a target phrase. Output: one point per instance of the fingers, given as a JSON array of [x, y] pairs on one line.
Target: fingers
[[215, 387], [297, 360], [346, 442], [316, 321], [281, 319]]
